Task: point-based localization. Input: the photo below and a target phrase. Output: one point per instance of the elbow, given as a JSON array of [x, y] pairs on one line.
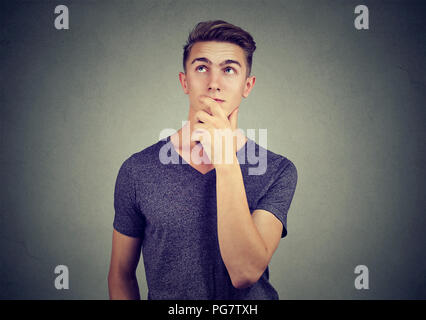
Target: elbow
[[244, 277], [242, 282]]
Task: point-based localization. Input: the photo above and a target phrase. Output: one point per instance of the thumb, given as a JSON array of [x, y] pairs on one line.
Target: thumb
[[233, 117]]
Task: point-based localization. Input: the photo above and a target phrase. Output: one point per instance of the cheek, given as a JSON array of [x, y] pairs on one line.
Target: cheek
[[195, 84], [235, 84], [237, 90], [236, 97]]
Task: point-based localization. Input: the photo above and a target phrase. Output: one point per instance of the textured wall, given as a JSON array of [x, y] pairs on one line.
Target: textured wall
[[346, 106]]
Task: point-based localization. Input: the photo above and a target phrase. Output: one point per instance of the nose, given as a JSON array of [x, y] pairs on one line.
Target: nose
[[214, 82]]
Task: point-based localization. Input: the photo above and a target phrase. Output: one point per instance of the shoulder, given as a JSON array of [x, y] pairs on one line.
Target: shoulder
[[280, 162], [277, 164], [144, 160]]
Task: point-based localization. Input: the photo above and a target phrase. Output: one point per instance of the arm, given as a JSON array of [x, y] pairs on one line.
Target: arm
[[122, 282], [247, 242]]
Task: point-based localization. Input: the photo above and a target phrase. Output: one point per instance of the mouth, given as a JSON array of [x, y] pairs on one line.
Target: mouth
[[219, 100]]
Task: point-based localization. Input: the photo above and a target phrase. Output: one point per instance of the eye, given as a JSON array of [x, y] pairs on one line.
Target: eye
[[200, 67], [229, 70]]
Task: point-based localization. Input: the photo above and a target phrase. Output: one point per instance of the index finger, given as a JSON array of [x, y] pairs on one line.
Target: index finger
[[215, 108]]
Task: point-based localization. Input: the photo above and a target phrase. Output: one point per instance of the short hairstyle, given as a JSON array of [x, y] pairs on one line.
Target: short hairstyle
[[221, 31]]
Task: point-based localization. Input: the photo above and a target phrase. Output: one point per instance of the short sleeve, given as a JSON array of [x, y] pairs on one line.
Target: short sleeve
[[278, 197], [128, 219]]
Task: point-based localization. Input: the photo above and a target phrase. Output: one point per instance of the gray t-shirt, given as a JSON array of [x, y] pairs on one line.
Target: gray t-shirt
[[173, 208]]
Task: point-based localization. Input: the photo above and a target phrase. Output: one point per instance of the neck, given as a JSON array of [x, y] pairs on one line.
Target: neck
[[182, 138]]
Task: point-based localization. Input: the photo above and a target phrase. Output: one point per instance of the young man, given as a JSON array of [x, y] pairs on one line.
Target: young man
[[207, 229]]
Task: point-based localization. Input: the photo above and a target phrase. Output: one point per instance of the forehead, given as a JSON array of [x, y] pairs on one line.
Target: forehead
[[217, 52]]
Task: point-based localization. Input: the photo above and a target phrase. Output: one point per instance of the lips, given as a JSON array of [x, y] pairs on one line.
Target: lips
[[215, 99]]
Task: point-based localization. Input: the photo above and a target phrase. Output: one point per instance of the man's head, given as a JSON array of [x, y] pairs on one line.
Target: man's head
[[221, 31], [217, 63]]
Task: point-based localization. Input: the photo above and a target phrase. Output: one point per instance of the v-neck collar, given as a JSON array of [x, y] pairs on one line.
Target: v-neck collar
[[191, 168]]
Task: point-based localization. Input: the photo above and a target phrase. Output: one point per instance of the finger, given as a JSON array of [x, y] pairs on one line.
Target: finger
[[200, 126], [203, 117], [198, 131], [233, 118], [214, 106], [205, 104]]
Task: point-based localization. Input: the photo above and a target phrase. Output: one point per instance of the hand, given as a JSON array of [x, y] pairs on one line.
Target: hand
[[211, 128]]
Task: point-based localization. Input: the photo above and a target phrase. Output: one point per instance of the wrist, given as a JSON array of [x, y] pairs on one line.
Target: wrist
[[226, 167]]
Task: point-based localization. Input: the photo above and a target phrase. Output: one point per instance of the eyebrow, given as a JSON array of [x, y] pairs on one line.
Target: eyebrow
[[228, 61]]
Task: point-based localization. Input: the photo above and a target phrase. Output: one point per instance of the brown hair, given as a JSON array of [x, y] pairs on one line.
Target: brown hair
[[221, 31]]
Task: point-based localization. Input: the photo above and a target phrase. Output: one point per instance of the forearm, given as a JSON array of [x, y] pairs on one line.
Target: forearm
[[123, 288], [242, 248]]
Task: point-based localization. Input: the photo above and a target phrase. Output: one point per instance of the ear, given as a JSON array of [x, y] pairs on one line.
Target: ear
[[183, 82], [248, 86]]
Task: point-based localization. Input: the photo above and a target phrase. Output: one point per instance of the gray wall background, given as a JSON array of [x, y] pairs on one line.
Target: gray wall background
[[346, 106]]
